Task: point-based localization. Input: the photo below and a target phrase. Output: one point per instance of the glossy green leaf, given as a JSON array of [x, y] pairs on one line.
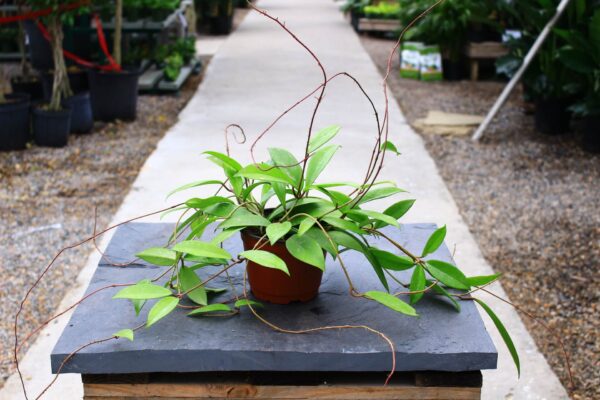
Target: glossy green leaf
[[322, 137], [264, 172], [192, 284], [346, 240], [277, 230], [343, 224], [417, 283], [223, 160], [201, 249], [440, 290], [222, 210], [389, 146], [317, 163], [448, 274], [138, 305], [376, 267], [288, 163], [391, 302], [266, 259], [396, 210], [210, 308], [504, 333], [246, 303], [243, 218], [307, 250], [435, 241], [305, 225], [142, 291], [158, 256], [224, 235], [376, 193], [377, 216], [319, 236], [161, 309], [482, 280], [202, 204], [193, 185], [327, 185], [125, 333], [392, 261]]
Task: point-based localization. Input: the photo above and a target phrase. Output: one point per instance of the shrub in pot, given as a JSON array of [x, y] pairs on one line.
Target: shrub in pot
[[26, 82], [581, 55], [114, 93], [356, 10]]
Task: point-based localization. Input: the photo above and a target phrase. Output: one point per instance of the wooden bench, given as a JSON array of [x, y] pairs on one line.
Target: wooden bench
[[378, 25], [476, 52]]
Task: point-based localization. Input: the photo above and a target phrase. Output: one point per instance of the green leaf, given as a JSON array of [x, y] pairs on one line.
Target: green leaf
[[380, 193], [346, 240], [377, 216], [376, 267], [504, 333], [161, 309], [435, 241], [305, 225], [319, 236], [417, 283], [222, 210], [277, 230], [138, 305], [210, 308], [243, 218], [392, 261], [266, 259], [188, 280], [125, 333], [142, 291], [223, 160], [391, 302], [158, 256], [321, 137], [201, 249], [343, 224], [317, 163], [397, 210], [288, 163], [336, 184], [482, 280], [448, 274], [389, 146], [246, 303], [265, 172], [193, 185], [306, 250], [224, 235], [202, 204]]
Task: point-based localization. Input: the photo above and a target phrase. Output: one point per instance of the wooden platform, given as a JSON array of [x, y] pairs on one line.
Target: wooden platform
[[483, 51], [378, 25], [284, 385]]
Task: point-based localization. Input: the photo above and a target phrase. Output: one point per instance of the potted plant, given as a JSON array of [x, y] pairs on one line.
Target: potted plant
[[581, 55], [356, 10], [14, 118], [114, 92], [217, 13]]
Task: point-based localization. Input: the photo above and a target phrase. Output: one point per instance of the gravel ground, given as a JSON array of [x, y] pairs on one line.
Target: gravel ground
[[532, 203]]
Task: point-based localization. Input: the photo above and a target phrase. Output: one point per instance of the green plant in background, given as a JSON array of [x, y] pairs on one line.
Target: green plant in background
[[355, 5], [581, 55], [383, 10], [283, 199], [446, 25], [173, 65]]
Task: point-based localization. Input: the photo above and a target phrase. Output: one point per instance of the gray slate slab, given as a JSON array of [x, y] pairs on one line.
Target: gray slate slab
[[441, 339]]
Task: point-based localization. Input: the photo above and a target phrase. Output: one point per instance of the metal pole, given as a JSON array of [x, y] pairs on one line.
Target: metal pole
[[515, 79]]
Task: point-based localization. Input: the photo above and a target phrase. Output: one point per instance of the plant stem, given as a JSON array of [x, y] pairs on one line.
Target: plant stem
[[60, 87], [118, 31]]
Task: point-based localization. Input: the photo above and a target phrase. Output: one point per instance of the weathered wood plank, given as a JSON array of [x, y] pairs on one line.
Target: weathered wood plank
[[378, 25]]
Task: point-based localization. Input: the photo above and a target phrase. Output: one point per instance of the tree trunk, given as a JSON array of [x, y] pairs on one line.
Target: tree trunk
[[61, 87], [118, 31], [25, 67]]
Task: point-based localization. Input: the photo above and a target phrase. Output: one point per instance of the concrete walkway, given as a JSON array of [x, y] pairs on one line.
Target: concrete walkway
[[256, 74]]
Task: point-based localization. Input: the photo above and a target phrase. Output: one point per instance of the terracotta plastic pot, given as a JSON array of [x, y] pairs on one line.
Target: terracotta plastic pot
[[275, 286]]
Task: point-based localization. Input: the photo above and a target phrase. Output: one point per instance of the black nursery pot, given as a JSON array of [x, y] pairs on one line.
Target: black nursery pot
[[82, 120], [591, 134], [40, 52], [32, 87], [114, 95], [78, 81], [452, 70], [51, 128], [14, 122], [551, 116]]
